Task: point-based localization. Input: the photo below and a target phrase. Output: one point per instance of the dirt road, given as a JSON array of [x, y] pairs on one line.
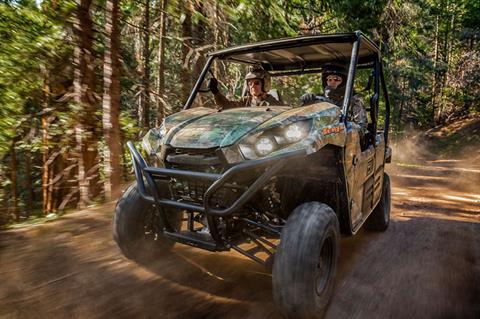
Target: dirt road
[[426, 265]]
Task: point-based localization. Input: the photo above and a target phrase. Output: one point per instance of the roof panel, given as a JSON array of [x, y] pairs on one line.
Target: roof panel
[[300, 52]]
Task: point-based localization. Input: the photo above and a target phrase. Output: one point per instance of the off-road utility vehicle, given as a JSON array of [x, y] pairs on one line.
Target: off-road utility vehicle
[[278, 184]]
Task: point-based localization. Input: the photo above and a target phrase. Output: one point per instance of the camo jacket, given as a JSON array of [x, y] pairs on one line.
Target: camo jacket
[[357, 112]]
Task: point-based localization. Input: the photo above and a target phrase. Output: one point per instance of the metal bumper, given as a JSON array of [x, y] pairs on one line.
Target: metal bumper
[[150, 174]]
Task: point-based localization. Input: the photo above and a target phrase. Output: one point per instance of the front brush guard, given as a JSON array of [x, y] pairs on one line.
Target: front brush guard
[[143, 173]]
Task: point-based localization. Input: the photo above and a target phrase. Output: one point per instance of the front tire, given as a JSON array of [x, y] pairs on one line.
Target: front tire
[[306, 261], [380, 217], [132, 229]]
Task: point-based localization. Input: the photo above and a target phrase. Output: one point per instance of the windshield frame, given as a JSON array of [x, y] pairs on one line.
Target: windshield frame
[[354, 59]]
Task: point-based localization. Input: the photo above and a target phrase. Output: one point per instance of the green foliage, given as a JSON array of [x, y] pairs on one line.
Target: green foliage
[[31, 42]]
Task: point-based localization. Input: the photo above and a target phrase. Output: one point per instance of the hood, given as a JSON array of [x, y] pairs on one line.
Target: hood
[[208, 129], [184, 117], [323, 114]]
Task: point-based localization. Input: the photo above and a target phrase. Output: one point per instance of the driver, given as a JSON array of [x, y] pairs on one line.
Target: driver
[[334, 79], [258, 83]]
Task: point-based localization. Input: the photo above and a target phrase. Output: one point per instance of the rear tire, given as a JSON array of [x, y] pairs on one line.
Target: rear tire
[[380, 217], [132, 228], [306, 261]]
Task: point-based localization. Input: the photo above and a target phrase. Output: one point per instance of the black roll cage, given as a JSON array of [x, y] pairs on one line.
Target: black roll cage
[[357, 38]]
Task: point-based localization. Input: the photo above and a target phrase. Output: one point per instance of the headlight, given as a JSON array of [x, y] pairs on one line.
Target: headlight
[[261, 144], [264, 146], [152, 141], [295, 132]]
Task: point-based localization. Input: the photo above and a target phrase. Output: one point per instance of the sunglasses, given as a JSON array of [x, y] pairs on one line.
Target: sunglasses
[[334, 79]]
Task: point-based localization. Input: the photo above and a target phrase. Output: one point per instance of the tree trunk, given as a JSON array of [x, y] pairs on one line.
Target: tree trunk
[[160, 105], [395, 101], [435, 74], [45, 153], [186, 47], [111, 101], [125, 159], [446, 49], [68, 191], [28, 182], [198, 40], [84, 80], [402, 102], [216, 36], [59, 180], [220, 36], [450, 45], [13, 179], [49, 186], [144, 96], [197, 59], [4, 218]]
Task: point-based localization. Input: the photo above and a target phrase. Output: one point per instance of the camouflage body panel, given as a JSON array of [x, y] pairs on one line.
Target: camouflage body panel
[[352, 150], [326, 127], [223, 128], [362, 166], [324, 112], [186, 116], [203, 128]]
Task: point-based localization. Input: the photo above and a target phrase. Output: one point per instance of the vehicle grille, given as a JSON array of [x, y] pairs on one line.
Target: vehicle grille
[[196, 160], [192, 190]]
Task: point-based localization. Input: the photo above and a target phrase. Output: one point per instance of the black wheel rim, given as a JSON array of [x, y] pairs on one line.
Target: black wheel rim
[[324, 265]]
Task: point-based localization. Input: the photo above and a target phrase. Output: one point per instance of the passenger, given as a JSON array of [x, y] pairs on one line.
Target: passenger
[[258, 83], [334, 78]]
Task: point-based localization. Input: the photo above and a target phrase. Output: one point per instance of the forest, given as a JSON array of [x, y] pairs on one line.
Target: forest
[[80, 78]]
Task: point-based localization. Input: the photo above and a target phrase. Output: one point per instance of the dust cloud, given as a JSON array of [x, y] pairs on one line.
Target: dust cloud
[[438, 172], [412, 157]]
